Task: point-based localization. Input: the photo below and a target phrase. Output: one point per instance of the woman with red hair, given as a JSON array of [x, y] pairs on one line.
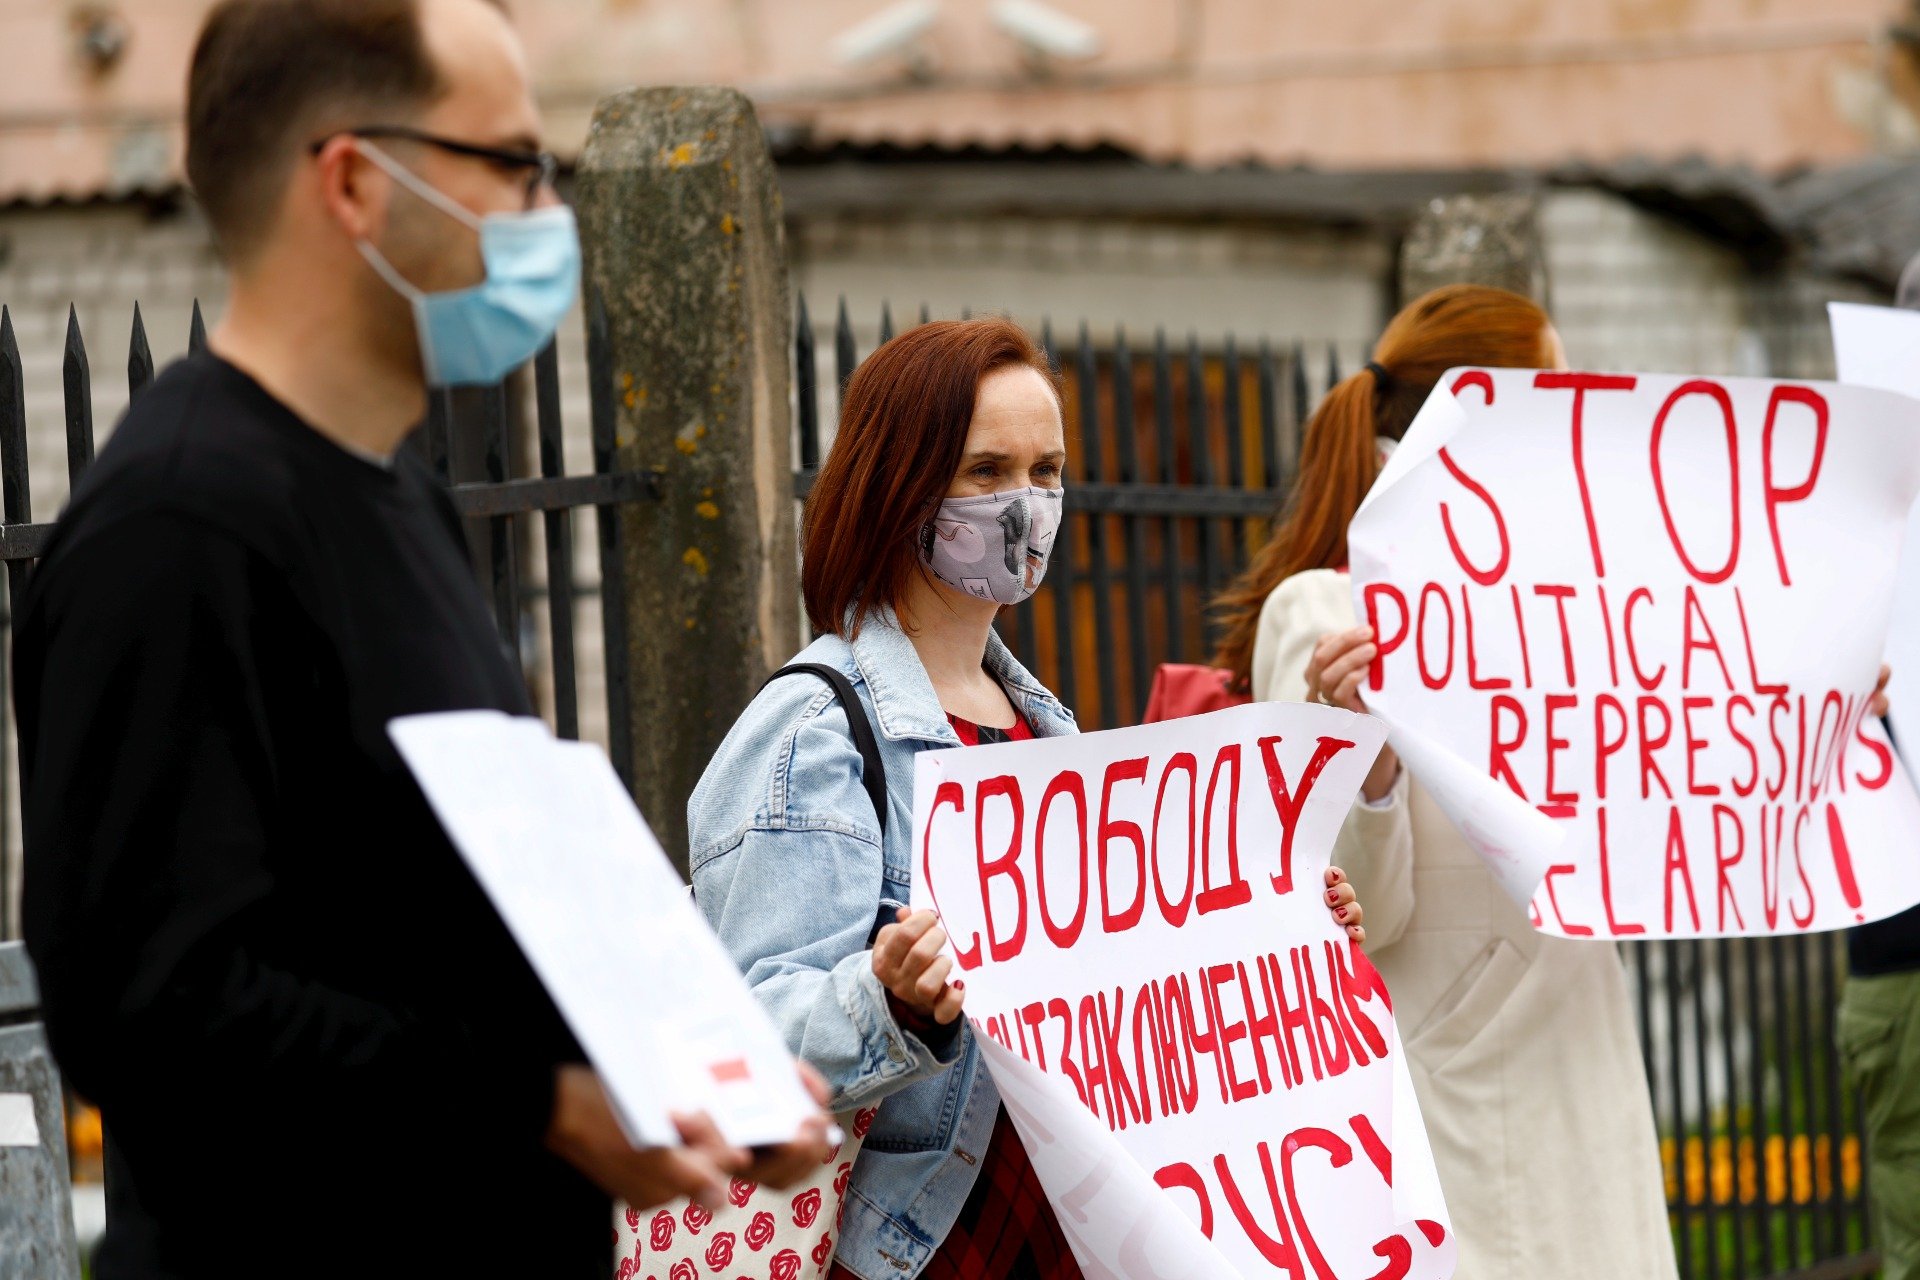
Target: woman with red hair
[[937, 506], [1522, 1046]]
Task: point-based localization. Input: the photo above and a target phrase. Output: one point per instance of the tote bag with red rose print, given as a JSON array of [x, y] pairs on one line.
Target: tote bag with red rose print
[[759, 1234]]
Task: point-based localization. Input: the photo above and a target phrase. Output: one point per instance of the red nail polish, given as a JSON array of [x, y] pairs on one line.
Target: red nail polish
[[959, 984]]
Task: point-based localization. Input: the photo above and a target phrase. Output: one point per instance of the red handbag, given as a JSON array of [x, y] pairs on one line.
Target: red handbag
[[1189, 689]]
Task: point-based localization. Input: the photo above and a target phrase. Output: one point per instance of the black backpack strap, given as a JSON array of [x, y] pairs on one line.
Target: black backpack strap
[[873, 773]]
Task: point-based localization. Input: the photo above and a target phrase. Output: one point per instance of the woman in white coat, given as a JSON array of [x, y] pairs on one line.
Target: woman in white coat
[[1522, 1046]]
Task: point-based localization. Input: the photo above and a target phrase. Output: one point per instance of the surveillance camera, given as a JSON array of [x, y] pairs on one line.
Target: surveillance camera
[[1046, 31], [893, 30]]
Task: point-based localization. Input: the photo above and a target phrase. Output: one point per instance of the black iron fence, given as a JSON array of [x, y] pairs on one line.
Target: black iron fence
[[501, 448], [1179, 457], [1180, 453]]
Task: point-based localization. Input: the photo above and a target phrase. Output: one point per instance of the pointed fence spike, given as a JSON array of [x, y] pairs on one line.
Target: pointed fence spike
[[139, 357], [13, 428], [197, 331], [77, 382], [806, 381], [845, 354], [886, 323]]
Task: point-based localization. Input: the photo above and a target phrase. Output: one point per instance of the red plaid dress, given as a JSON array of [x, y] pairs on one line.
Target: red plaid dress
[[1006, 1230]]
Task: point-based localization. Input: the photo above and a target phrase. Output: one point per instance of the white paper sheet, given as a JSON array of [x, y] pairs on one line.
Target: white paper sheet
[[18, 1127], [1516, 840], [653, 998], [1653, 606], [1142, 912], [1880, 347]]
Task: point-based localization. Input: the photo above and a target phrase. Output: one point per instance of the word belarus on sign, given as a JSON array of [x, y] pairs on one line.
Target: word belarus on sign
[[1654, 607], [1140, 918]]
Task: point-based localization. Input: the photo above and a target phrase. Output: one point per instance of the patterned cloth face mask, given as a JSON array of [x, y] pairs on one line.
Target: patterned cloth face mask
[[993, 547]]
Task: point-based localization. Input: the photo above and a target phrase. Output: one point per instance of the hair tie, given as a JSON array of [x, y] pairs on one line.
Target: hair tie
[[1379, 371]]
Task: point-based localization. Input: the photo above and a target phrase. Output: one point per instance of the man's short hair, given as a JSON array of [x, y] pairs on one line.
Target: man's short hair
[[269, 75]]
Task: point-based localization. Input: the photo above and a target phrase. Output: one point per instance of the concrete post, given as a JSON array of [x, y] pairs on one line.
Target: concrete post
[[1491, 240], [36, 1226], [681, 223]]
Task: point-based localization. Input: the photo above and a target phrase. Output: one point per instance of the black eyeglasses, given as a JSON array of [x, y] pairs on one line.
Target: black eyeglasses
[[543, 164]]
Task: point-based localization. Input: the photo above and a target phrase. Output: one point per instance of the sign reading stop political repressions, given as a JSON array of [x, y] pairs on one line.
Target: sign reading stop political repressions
[[1141, 922], [1654, 609]]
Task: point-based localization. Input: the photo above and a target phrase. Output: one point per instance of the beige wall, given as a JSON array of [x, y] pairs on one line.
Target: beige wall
[[1366, 84], [1635, 291]]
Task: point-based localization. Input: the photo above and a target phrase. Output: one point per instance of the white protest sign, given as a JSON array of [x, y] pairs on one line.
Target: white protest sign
[[1880, 347], [1652, 608], [1187, 1043], [660, 1008]]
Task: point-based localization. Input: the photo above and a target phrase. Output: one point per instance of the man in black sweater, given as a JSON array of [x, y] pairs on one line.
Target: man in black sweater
[[315, 1047]]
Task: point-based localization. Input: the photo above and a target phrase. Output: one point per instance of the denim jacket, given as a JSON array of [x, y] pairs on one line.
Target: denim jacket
[[789, 866]]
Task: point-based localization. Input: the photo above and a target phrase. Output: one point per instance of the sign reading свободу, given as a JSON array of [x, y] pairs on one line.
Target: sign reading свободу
[[1653, 608], [1204, 1071]]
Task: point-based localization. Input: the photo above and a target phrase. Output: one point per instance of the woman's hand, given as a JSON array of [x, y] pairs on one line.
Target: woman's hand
[[1334, 672], [1344, 904], [907, 960], [1878, 707], [1337, 666]]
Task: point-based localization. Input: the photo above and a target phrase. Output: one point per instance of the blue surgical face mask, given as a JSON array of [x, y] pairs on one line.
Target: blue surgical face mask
[[478, 335]]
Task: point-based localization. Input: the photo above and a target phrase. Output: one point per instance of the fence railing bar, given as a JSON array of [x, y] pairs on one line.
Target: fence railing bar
[[1333, 365], [1302, 396], [1093, 466], [15, 491], [77, 383], [196, 331], [1233, 423], [139, 358], [846, 355], [925, 314], [886, 323], [1710, 1212], [1267, 405], [1736, 1206], [613, 614], [1807, 1216], [1164, 500], [500, 548], [1200, 469], [439, 432], [1777, 954], [559, 531], [806, 380], [14, 495], [1168, 465], [1765, 1246], [1687, 1215], [1836, 1125], [1127, 451]]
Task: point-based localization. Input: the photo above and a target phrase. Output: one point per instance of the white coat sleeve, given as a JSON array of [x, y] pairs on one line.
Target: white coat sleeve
[[1375, 845]]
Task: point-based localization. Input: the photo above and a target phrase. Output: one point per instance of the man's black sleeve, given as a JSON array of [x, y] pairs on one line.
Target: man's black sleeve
[[143, 670]]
